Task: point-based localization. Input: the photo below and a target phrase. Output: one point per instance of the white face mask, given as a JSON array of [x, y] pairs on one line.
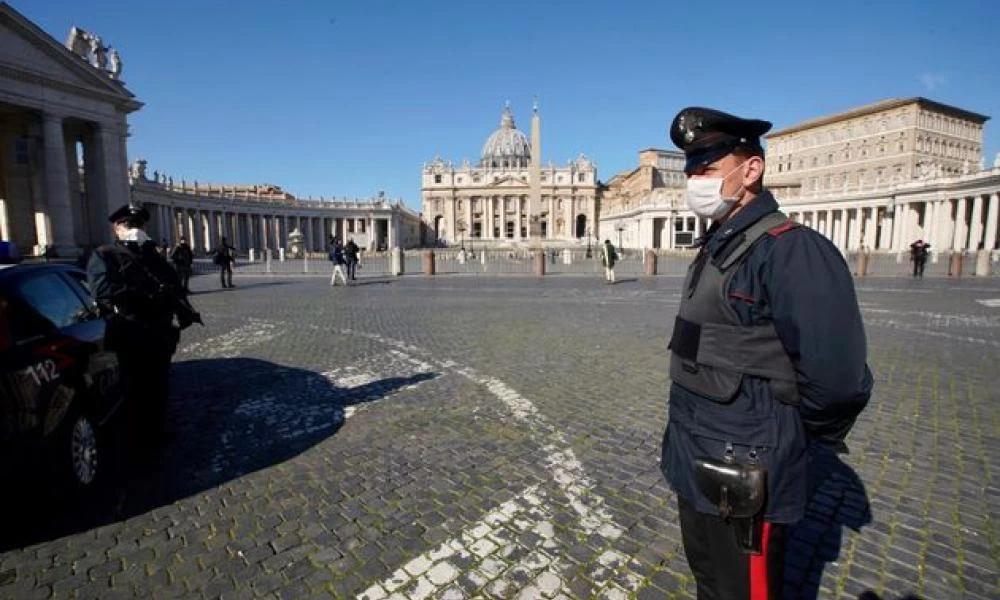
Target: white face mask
[[704, 196]]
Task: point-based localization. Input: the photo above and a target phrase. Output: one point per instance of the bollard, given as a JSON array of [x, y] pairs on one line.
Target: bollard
[[397, 262], [251, 255], [955, 268], [861, 264], [982, 263], [429, 262], [539, 258], [281, 254], [650, 268], [567, 256], [267, 261]]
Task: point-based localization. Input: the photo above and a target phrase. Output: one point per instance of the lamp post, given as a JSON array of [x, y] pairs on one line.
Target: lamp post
[[590, 252], [461, 232], [620, 228]]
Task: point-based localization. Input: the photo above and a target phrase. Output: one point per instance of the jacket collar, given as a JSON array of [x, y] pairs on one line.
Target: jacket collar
[[720, 233]]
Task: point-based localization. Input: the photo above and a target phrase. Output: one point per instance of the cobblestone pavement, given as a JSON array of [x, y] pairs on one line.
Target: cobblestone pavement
[[499, 438]]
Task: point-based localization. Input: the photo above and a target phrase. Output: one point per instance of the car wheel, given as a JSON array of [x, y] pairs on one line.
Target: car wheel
[[77, 455], [84, 451]]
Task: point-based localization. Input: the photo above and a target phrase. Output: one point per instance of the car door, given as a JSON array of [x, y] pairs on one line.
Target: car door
[[49, 327], [102, 373]]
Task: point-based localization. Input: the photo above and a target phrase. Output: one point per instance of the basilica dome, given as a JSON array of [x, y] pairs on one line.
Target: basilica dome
[[506, 147]]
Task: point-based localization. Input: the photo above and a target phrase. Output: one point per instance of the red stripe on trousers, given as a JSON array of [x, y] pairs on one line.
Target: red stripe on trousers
[[758, 567]]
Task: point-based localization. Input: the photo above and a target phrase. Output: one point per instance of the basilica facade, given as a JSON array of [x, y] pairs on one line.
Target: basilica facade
[[508, 198]]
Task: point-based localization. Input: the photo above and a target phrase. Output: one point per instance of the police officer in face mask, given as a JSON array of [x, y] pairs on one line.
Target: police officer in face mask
[[768, 356], [142, 301]]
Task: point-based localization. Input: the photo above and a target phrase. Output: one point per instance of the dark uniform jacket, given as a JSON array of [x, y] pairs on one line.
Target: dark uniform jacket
[[140, 316], [799, 281]]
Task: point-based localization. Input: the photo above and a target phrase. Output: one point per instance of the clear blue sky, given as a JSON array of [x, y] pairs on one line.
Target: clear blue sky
[[348, 98]]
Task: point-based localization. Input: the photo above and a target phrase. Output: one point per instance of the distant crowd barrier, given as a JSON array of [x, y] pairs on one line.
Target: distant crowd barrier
[[577, 261]]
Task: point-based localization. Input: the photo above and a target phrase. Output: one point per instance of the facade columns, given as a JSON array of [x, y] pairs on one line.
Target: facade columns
[[53, 216], [990, 239], [871, 229], [960, 228], [854, 228], [189, 225], [841, 241], [885, 240], [517, 218], [942, 224], [976, 226], [905, 214]]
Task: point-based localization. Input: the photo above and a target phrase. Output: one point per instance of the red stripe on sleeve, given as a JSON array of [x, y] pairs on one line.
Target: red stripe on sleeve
[[758, 567]]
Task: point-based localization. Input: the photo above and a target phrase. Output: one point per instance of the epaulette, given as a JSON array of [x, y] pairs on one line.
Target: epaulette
[[783, 228]]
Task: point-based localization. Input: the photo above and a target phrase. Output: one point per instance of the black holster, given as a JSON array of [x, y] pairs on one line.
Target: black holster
[[739, 491]]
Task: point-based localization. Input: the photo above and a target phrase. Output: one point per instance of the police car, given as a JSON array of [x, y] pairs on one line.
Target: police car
[[58, 386]]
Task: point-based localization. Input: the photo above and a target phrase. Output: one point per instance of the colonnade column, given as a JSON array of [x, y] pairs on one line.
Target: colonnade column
[[870, 239], [960, 228], [53, 216], [517, 218], [886, 239], [990, 239], [854, 228], [976, 227]]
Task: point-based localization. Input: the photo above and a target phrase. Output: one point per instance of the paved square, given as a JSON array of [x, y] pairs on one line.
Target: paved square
[[499, 437]]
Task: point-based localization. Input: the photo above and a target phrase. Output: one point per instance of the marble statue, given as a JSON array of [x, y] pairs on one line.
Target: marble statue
[[98, 58], [966, 168], [137, 170], [78, 43], [114, 63]]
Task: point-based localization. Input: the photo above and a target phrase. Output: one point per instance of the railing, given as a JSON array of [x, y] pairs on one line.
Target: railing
[[671, 263]]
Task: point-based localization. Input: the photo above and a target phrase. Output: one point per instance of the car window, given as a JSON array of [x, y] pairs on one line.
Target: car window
[[78, 281], [53, 302]]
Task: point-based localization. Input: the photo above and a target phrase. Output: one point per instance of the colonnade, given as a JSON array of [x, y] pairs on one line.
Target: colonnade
[[960, 222]]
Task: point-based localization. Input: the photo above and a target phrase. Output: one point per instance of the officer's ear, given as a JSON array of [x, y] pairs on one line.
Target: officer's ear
[[753, 170]]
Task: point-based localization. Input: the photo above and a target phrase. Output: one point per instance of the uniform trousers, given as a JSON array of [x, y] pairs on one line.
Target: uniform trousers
[[722, 570]]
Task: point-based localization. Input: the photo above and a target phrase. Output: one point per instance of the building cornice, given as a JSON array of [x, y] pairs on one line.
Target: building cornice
[[878, 107]]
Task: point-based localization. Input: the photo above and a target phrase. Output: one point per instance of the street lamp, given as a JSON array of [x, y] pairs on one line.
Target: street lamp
[[461, 232], [590, 253], [620, 228]]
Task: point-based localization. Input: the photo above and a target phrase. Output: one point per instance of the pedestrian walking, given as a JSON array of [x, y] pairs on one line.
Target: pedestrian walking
[[768, 356], [183, 258], [140, 296], [339, 262], [608, 258], [351, 251], [919, 251], [224, 256]]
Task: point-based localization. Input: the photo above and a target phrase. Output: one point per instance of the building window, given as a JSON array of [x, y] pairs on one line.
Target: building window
[[476, 179], [477, 229], [460, 180], [510, 229], [437, 179], [580, 177]]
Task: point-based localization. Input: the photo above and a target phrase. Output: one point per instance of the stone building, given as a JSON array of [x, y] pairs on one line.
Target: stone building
[[892, 141], [63, 165], [885, 174], [260, 217], [63, 111], [509, 198], [644, 207], [879, 176]]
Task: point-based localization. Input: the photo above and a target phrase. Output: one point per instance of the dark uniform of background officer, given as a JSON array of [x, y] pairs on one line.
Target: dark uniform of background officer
[[768, 356], [140, 294]]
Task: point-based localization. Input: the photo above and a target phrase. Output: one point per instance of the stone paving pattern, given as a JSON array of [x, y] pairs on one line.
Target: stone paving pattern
[[469, 437]]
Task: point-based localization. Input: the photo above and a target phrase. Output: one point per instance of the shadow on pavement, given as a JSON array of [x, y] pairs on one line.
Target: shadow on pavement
[[837, 499], [227, 418], [237, 287]]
